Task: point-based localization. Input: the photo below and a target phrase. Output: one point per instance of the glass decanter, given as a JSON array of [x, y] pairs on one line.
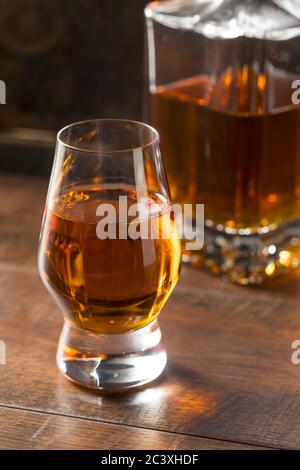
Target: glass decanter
[[224, 93]]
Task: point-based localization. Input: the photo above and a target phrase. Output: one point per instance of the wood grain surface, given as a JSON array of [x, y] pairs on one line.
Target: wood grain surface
[[24, 429], [229, 383]]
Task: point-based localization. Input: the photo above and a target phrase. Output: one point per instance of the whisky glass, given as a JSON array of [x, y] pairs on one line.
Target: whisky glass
[[109, 281], [222, 87]]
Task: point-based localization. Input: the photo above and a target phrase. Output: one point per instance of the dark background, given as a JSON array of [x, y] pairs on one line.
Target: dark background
[[64, 61]]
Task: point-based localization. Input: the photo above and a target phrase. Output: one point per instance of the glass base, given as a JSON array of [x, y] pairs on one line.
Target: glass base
[[249, 258], [114, 362]]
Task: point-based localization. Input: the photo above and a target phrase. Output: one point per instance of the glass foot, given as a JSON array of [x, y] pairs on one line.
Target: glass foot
[[249, 258], [112, 362]]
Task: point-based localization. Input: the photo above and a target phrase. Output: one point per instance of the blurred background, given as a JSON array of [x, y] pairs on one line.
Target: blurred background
[[64, 61]]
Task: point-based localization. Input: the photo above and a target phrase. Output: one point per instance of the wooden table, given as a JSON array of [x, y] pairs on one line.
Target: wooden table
[[230, 383]]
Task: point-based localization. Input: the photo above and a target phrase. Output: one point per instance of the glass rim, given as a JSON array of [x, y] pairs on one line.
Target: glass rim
[[154, 140]]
